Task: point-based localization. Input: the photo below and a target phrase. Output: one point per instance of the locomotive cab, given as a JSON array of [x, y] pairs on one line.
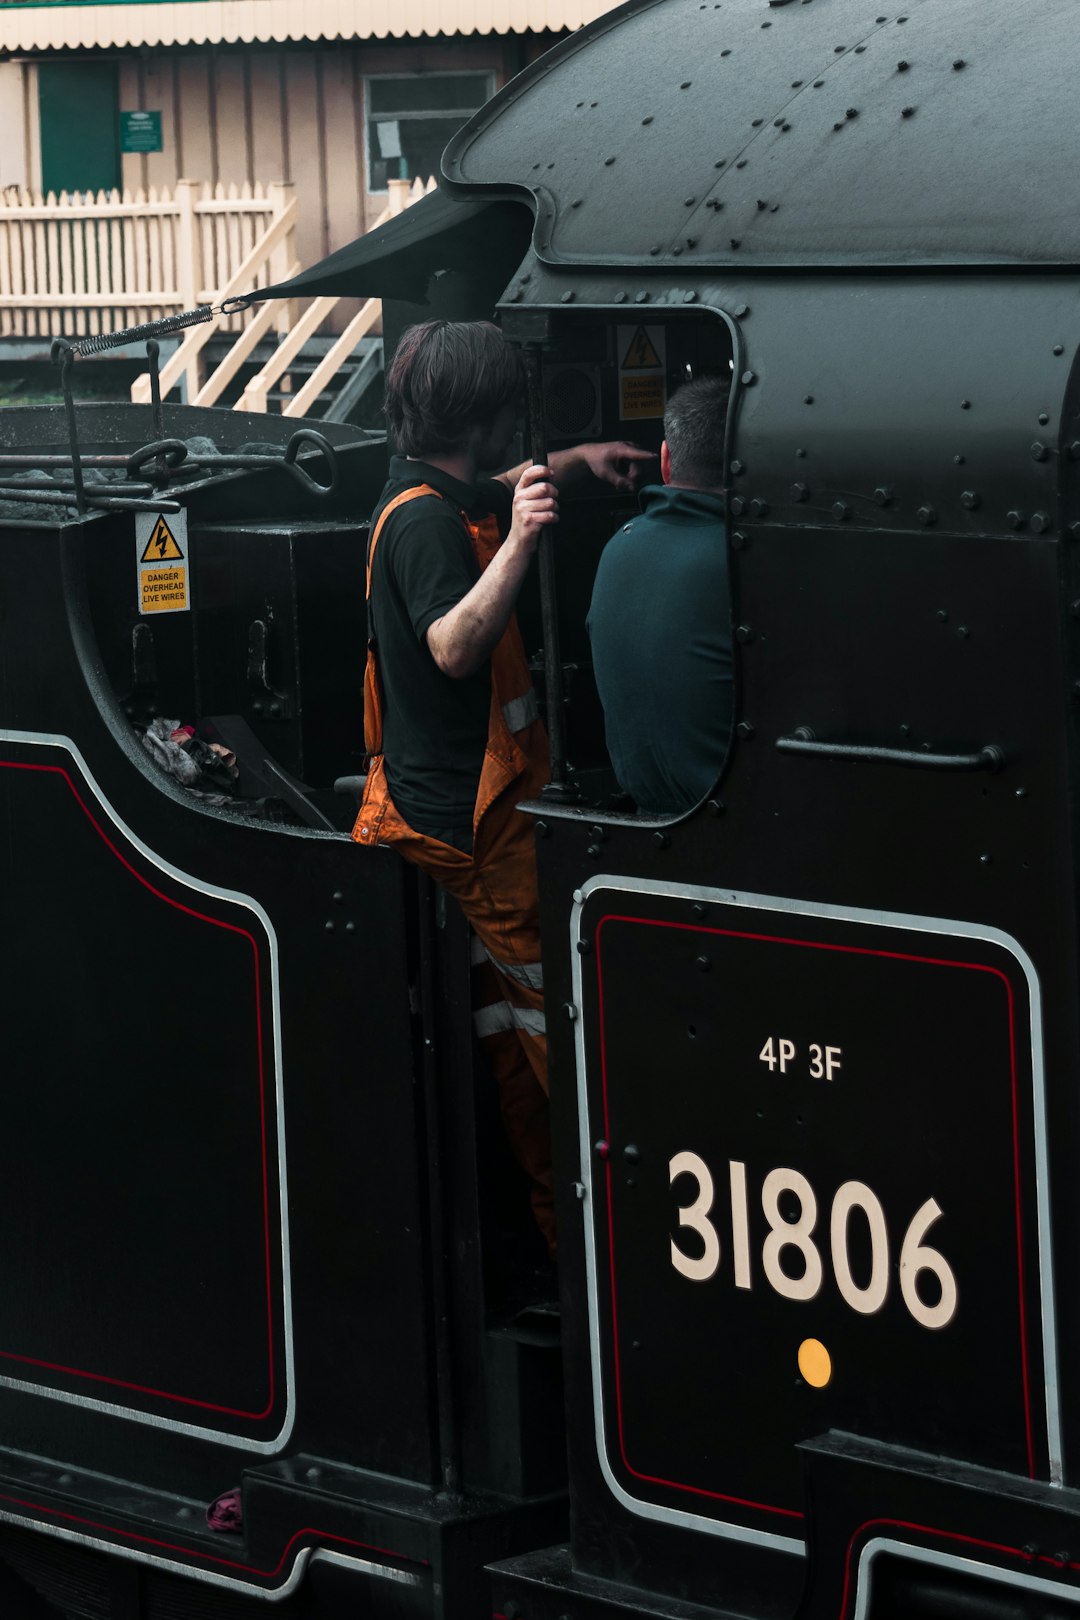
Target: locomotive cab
[[605, 375]]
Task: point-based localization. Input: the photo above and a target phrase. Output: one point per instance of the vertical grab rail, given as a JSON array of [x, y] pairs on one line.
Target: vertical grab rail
[[559, 787]]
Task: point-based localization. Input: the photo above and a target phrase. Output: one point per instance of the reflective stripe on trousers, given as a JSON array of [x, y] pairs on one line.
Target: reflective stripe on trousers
[[517, 1052], [501, 1015], [530, 974]]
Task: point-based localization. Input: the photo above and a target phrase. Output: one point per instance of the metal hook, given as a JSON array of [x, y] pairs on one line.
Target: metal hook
[[171, 452], [302, 476], [153, 350]]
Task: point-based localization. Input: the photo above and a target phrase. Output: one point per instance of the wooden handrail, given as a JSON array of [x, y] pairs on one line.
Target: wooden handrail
[[185, 358], [358, 327], [249, 339], [255, 397], [255, 394]]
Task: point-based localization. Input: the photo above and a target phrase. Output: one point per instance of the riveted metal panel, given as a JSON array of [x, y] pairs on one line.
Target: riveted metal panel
[[812, 134]]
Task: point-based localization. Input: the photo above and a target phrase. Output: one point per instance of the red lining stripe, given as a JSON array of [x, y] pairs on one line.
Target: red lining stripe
[[853, 950], [211, 1558], [232, 928]]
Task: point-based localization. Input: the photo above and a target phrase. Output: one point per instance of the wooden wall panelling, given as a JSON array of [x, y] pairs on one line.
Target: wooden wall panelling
[[232, 133], [304, 148], [195, 118]]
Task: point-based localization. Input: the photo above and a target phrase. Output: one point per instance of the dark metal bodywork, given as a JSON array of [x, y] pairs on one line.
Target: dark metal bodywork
[[883, 610], [871, 216], [865, 201], [627, 136], [234, 1254]]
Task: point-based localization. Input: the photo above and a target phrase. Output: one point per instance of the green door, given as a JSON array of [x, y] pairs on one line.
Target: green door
[[79, 107]]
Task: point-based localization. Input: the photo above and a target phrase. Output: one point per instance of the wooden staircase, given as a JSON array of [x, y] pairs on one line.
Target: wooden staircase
[[342, 394], [304, 371], [351, 381]]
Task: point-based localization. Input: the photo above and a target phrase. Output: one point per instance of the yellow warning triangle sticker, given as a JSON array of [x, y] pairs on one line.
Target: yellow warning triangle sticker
[[641, 355], [162, 546]]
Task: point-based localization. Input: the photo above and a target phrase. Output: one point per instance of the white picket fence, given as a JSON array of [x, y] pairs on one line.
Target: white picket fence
[[81, 263]]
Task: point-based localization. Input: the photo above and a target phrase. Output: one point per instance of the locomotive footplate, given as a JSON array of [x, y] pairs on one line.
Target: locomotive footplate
[[546, 1586], [798, 1154], [940, 1537], [307, 1523], [896, 1533]]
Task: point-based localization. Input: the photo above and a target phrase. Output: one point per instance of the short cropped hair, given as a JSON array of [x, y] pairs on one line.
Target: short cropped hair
[[694, 429], [447, 378]]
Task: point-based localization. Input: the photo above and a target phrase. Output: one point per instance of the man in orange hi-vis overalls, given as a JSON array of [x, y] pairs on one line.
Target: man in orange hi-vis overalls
[[450, 719]]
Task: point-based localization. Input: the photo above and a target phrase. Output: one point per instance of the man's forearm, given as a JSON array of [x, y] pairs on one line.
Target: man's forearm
[[569, 467], [461, 640], [616, 462]]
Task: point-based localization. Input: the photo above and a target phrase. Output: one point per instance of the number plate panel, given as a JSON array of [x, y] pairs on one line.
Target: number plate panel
[[936, 1093]]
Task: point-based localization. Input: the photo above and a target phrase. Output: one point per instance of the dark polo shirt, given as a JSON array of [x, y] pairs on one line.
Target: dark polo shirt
[[660, 628], [434, 727]]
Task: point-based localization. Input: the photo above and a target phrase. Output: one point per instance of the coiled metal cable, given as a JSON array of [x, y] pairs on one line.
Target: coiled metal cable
[[139, 334]]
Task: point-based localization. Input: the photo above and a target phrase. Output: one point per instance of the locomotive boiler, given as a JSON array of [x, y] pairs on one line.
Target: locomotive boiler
[[815, 1046]]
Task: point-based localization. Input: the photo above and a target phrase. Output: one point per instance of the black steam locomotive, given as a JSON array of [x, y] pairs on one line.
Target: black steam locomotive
[[815, 1047]]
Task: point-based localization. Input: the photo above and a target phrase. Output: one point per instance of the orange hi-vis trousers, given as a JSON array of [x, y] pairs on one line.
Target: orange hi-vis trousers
[[495, 885]]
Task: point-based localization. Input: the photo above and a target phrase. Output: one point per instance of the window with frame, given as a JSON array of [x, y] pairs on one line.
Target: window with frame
[[410, 118]]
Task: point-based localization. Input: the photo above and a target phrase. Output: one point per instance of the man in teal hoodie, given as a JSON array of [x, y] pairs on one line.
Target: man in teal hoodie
[[660, 620]]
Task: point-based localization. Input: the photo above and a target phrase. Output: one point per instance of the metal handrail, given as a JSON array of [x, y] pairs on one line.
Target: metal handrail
[[803, 741]]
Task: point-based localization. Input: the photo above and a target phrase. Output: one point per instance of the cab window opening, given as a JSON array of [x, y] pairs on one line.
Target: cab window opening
[[275, 611], [609, 376]]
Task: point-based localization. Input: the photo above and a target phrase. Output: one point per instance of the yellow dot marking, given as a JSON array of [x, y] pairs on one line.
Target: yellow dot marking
[[815, 1363]]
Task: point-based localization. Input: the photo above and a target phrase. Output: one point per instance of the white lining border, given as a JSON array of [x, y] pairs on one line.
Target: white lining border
[[211, 1577], [270, 1447], [807, 908], [880, 1546]]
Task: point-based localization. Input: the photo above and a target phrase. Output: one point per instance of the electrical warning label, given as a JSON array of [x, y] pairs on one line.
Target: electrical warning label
[[641, 354], [162, 545], [642, 375], [161, 555]]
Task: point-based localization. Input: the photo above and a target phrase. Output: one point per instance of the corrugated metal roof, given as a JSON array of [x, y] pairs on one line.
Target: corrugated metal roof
[[56, 26]]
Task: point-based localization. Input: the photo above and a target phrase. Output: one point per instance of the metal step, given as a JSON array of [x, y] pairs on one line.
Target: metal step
[[356, 384], [303, 367], [278, 397]]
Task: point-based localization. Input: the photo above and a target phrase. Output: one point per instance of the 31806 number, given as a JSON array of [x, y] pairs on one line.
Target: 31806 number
[[853, 1197]]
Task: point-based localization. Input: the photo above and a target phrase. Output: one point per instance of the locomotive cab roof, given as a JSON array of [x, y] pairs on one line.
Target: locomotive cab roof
[[794, 133]]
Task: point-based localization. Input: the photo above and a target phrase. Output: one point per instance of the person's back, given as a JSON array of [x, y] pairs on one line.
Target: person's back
[[660, 620]]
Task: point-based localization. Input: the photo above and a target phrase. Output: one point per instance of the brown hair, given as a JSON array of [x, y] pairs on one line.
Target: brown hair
[[446, 378]]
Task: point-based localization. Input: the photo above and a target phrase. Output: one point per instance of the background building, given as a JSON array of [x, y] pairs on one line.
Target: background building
[[337, 96]]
